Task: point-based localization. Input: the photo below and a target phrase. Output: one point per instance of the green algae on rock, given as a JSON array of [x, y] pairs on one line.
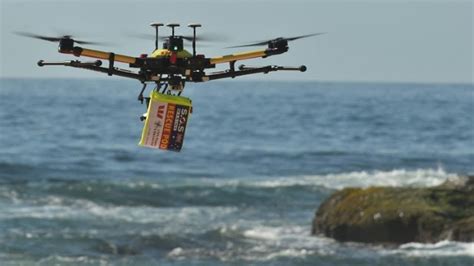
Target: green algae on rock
[[399, 214]]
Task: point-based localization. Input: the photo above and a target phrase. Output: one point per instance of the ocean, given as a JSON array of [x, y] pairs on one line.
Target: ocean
[[258, 159]]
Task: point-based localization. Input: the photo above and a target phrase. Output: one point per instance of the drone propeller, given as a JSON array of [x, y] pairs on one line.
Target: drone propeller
[[54, 39], [206, 37], [202, 37], [280, 39]]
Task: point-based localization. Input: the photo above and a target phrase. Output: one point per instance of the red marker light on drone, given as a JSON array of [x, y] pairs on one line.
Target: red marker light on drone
[[173, 58]]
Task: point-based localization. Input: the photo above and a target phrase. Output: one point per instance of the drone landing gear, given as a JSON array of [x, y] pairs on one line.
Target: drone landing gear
[[95, 66], [246, 70]]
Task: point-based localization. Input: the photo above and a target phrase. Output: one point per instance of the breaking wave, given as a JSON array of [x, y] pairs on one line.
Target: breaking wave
[[402, 177], [441, 249]]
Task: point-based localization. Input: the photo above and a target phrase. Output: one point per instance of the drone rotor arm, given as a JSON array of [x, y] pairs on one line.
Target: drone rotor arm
[[238, 56], [79, 51], [244, 70], [248, 55], [287, 39]]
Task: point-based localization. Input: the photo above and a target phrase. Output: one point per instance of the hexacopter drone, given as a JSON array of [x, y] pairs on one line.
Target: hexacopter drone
[[169, 68]]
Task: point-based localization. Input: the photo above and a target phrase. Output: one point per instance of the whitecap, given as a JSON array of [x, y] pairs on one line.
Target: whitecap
[[79, 209], [443, 248], [397, 177]]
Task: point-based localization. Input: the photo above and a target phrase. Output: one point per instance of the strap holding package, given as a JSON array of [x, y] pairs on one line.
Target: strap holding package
[[166, 120]]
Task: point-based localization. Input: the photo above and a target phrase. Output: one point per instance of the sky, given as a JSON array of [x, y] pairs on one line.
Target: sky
[[375, 41]]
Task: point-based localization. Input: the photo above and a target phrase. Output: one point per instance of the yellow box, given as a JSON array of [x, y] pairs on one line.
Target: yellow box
[[166, 121]]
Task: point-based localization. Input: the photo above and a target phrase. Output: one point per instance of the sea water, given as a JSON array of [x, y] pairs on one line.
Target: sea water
[[258, 159]]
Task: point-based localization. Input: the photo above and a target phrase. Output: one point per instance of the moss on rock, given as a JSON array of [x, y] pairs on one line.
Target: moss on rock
[[399, 215]]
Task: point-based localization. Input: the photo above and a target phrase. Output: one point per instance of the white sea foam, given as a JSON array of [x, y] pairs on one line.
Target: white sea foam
[[400, 177], [263, 232], [90, 260], [289, 253], [286, 241], [273, 242], [264, 243], [56, 259], [440, 249], [396, 177], [58, 208]]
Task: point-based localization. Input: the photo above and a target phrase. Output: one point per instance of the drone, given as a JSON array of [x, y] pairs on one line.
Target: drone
[[169, 68]]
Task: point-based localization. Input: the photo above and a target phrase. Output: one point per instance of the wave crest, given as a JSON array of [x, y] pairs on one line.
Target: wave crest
[[399, 177]]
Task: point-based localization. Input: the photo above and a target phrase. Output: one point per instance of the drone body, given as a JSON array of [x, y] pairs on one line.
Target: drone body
[[170, 68]]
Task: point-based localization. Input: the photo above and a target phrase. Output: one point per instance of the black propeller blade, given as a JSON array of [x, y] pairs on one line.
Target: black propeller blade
[[54, 39], [280, 38], [204, 37]]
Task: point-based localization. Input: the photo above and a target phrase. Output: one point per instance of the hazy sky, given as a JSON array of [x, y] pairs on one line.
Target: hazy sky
[[402, 41]]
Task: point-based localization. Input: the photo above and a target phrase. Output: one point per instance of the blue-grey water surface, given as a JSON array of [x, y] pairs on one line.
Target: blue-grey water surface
[[258, 159]]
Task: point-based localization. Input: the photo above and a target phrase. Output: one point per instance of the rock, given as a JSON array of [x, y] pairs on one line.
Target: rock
[[399, 214]]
